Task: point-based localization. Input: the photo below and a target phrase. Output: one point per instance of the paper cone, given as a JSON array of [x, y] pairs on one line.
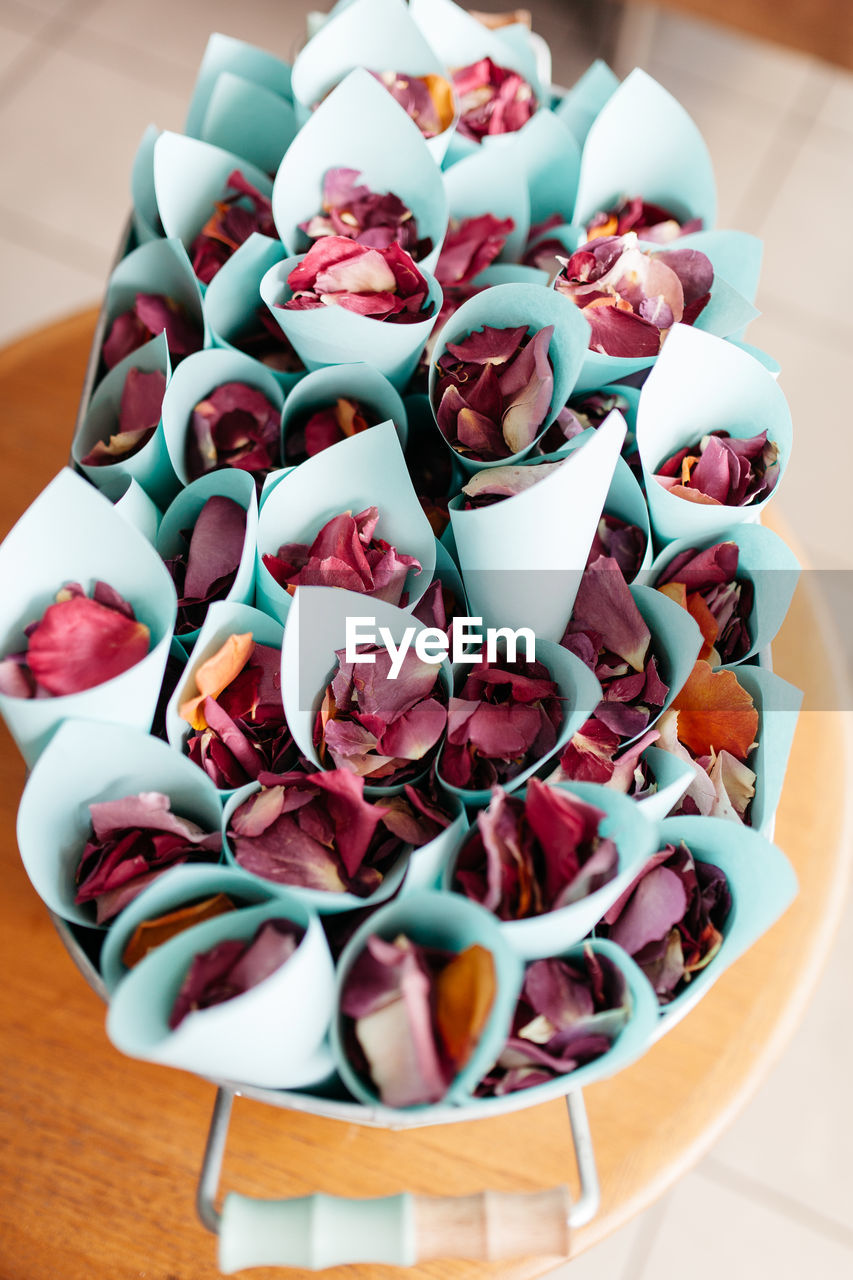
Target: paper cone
[[735, 255], [150, 466], [189, 177], [360, 126], [451, 924], [224, 618], [271, 1036], [86, 763], [366, 470], [361, 382], [509, 306], [778, 705], [630, 1043], [672, 775], [158, 266], [146, 217], [224, 54], [333, 335], [770, 363], [643, 143], [701, 384], [765, 561], [232, 301], [625, 498], [635, 838], [327, 903], [176, 888], [132, 503], [194, 379], [546, 152], [580, 105], [230, 482], [478, 185], [315, 629], [72, 534], [252, 122], [377, 34], [762, 884], [580, 693], [676, 641], [522, 558]]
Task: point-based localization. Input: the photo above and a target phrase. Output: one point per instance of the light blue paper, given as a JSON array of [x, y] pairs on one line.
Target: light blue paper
[[447, 572], [522, 558], [333, 335], [71, 533], [672, 775], [150, 466], [643, 143], [324, 902], [84, 764], [765, 561], [379, 34], [366, 470], [580, 105], [250, 1038], [625, 498], [232, 301], [509, 306], [478, 184], [701, 384], [762, 884], [450, 924], [178, 887], [224, 54], [314, 631], [635, 838], [360, 126], [145, 217], [529, 45], [778, 704], [229, 482], [224, 618], [133, 504], [252, 122], [360, 382], [546, 152], [580, 693], [735, 255], [190, 176], [193, 380], [770, 363], [158, 266]]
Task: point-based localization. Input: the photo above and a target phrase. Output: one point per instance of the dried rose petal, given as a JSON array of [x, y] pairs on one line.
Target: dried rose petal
[[493, 391], [150, 934], [345, 553], [206, 570], [492, 100], [632, 297], [427, 99], [152, 313], [138, 417], [234, 426], [354, 211], [706, 584], [134, 840], [531, 856], [568, 1014], [650, 222], [671, 918], [327, 426], [619, 541], [233, 967], [264, 341], [242, 213], [722, 469], [383, 284], [471, 245]]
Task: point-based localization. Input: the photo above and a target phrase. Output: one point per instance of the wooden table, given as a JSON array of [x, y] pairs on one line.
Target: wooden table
[[99, 1154]]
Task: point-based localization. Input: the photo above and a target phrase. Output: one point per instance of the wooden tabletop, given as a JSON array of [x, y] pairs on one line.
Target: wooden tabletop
[[99, 1154]]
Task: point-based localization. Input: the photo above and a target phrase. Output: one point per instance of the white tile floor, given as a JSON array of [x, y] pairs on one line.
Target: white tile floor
[[79, 80]]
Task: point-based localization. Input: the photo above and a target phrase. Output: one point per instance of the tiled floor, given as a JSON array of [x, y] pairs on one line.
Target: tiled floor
[[80, 79]]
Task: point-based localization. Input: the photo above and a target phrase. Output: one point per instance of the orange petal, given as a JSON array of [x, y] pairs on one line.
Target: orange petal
[[151, 933], [715, 713], [442, 96], [676, 591], [465, 993], [608, 228], [216, 674], [705, 621]]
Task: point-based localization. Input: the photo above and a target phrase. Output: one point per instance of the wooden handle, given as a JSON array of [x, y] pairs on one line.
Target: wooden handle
[[493, 1224]]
